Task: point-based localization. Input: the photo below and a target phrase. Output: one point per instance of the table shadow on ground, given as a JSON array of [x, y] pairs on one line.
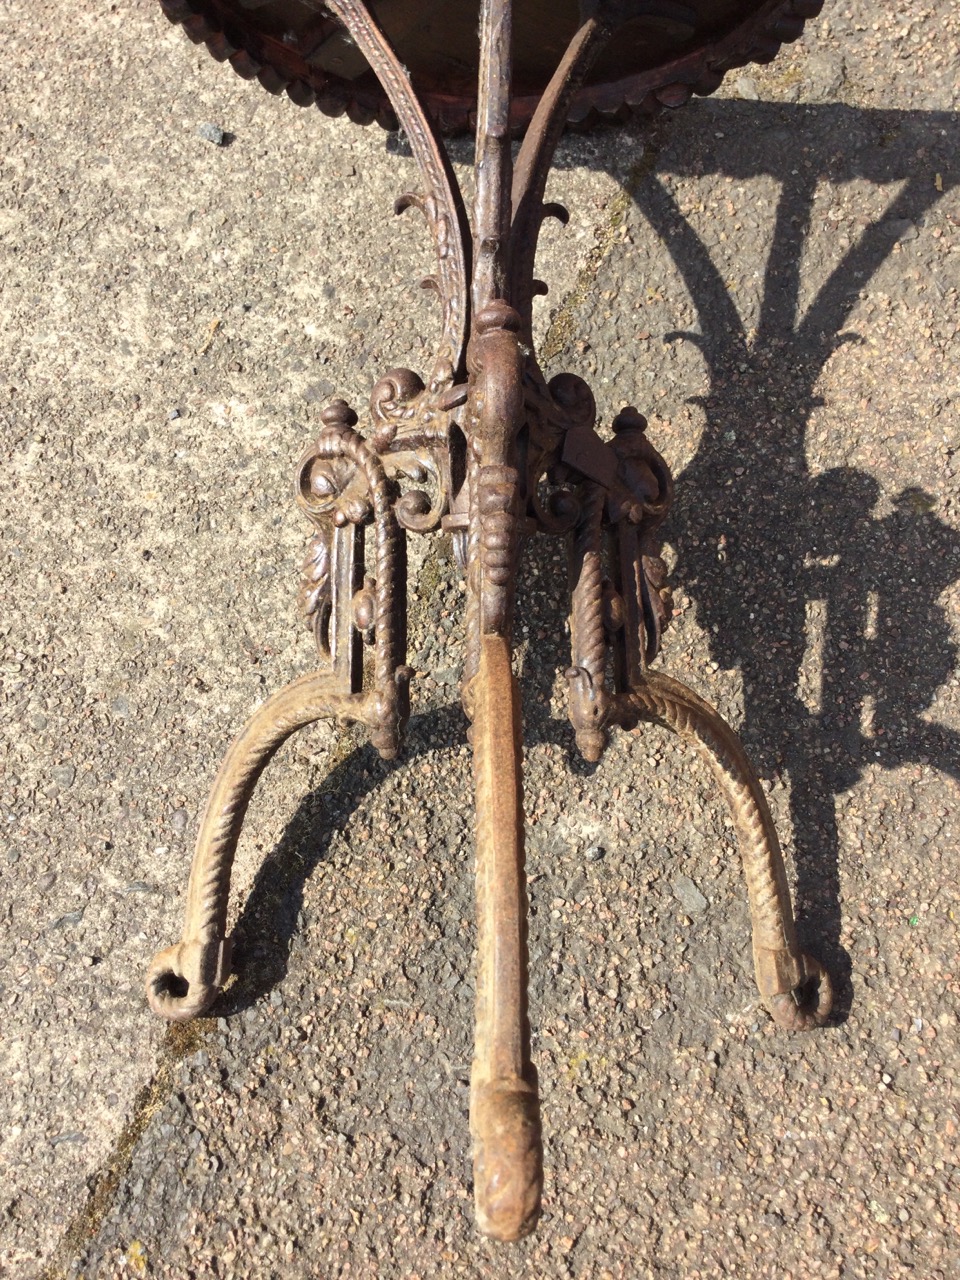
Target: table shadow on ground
[[789, 536], [759, 534]]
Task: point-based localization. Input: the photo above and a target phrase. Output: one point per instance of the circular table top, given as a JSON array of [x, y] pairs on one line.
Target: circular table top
[[658, 57]]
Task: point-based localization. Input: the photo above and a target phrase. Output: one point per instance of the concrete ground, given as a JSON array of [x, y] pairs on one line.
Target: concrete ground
[[772, 276]]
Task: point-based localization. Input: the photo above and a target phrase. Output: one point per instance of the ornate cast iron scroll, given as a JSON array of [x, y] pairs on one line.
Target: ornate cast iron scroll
[[490, 450]]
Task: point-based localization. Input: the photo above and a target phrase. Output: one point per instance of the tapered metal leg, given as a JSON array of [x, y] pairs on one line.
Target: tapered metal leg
[[504, 1107]]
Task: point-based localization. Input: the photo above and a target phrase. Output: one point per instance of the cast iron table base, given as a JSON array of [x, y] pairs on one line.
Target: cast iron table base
[[488, 450]]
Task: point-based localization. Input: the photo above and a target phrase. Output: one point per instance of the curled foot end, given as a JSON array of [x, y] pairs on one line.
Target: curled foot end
[[183, 981], [807, 1003]]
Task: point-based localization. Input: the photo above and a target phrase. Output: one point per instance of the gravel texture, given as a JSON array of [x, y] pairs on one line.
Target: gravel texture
[[190, 269]]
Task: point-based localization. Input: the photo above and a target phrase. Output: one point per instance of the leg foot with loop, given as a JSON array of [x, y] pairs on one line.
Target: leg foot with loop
[[342, 485], [795, 988], [184, 980]]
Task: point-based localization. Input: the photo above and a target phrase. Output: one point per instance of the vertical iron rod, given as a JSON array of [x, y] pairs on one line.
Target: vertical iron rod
[[494, 163]]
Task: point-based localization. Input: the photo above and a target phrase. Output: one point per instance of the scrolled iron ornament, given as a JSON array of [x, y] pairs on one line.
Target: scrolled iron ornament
[[393, 404]]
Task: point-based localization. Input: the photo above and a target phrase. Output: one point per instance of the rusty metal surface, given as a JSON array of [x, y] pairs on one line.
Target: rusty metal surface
[[665, 52], [486, 448], [504, 1107]]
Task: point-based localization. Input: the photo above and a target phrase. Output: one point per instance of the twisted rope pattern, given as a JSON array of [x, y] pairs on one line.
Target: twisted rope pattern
[[588, 640], [781, 969], [390, 543], [300, 704], [183, 980]]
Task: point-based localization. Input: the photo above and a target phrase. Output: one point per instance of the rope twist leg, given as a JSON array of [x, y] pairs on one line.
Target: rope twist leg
[[795, 988], [183, 980]]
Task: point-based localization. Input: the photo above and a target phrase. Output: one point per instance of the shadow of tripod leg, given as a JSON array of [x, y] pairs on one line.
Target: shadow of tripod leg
[[795, 988], [183, 980], [504, 1106]]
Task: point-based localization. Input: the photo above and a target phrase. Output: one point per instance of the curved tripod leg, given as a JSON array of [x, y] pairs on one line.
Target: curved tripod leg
[[340, 483], [795, 988], [184, 980], [504, 1106]]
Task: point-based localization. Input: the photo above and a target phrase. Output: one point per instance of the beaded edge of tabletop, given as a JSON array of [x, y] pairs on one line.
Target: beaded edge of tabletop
[[282, 66]]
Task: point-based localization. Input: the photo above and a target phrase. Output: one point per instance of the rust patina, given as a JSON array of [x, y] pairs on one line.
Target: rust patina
[[484, 447]]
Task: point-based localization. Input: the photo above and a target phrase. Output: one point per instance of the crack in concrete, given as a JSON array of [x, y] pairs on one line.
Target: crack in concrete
[[181, 1040]]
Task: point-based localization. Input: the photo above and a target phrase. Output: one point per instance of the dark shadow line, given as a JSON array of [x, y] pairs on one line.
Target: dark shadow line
[[790, 352], [780, 299]]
